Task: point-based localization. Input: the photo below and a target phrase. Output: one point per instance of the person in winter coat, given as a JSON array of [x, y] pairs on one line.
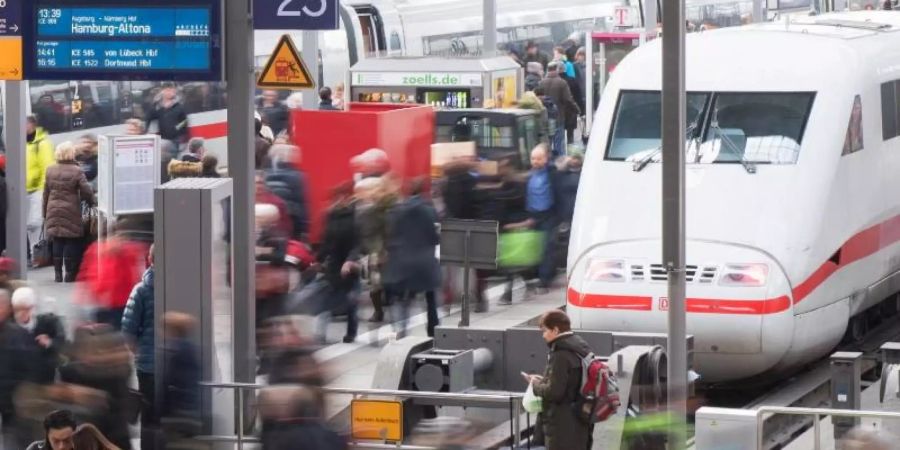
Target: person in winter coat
[[558, 387], [170, 116], [374, 201], [459, 193], [288, 182], [100, 360], [338, 259], [65, 190], [184, 169], [275, 113], [567, 181], [533, 76], [139, 326], [531, 101], [412, 266], [110, 271], [15, 356], [47, 334], [38, 158], [87, 158], [555, 87]]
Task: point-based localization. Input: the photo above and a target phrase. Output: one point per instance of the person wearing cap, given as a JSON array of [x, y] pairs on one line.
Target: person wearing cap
[[46, 330], [195, 150], [534, 54]]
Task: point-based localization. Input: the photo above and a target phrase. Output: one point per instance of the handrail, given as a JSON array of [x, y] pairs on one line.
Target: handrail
[[512, 400], [817, 414]]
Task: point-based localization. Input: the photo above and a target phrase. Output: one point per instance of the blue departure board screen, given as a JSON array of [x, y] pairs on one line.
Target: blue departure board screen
[[126, 39]]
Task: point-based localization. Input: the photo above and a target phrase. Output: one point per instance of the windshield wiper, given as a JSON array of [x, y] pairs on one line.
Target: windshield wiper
[[750, 167], [641, 163]]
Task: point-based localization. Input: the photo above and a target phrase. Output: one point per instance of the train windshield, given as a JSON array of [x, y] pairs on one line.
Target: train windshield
[[746, 128]]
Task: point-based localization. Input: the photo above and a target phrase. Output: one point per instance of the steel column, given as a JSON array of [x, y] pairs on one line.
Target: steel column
[[241, 165], [15, 94], [310, 51], [490, 27], [673, 196]]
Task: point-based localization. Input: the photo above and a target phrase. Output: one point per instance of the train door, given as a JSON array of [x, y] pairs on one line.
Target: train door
[[372, 27]]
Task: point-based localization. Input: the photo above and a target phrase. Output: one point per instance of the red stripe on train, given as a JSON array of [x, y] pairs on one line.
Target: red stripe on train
[[210, 131], [694, 305]]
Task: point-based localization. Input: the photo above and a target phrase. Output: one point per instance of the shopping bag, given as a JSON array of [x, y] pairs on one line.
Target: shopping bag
[[520, 249], [89, 220], [532, 403], [42, 254]]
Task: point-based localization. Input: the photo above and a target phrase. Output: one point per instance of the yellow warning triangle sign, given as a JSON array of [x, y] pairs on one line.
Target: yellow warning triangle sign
[[285, 69]]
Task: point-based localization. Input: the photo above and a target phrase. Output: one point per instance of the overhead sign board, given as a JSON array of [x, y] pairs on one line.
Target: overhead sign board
[[417, 79], [376, 420], [123, 40], [296, 14], [11, 40], [622, 17], [285, 69]]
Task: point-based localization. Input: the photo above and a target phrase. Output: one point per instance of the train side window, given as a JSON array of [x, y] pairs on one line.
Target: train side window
[[889, 110], [853, 142]]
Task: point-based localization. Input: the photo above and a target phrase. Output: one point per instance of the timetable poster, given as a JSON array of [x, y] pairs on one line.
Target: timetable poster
[[84, 40], [136, 173]]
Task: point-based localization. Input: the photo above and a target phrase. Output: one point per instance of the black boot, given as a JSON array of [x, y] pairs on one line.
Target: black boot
[[58, 269], [71, 269], [378, 303]]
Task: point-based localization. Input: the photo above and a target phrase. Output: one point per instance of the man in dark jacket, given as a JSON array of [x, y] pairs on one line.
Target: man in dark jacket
[[275, 113], [170, 116], [15, 356], [48, 337], [138, 324], [534, 54], [558, 89], [285, 180], [558, 387], [325, 102]]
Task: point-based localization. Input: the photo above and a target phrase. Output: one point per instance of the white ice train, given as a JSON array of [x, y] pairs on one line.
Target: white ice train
[[793, 193]]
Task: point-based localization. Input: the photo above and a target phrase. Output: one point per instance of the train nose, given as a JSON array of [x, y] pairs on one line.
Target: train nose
[[739, 307]]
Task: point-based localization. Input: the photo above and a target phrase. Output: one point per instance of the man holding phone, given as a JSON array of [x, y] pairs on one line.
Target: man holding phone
[[559, 386]]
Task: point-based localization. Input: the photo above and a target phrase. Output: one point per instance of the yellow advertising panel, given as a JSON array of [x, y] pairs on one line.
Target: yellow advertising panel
[[378, 420], [11, 58], [285, 69], [505, 91]]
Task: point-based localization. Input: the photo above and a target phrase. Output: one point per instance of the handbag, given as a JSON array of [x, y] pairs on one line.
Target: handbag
[[42, 253], [519, 249], [89, 220]]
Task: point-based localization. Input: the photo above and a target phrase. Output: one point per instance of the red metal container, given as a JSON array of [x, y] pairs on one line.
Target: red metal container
[[330, 139]]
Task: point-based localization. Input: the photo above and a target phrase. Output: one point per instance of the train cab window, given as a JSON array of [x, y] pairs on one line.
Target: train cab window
[[853, 142], [372, 29], [890, 117], [762, 128], [636, 127], [396, 43]]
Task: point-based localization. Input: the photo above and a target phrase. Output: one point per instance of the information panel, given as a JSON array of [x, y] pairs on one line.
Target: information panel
[[126, 39]]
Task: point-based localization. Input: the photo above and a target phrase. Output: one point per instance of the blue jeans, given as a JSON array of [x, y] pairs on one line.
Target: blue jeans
[[547, 223], [348, 298], [402, 305]]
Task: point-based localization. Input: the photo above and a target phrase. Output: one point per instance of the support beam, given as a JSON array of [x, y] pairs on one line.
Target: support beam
[[490, 28], [673, 195], [15, 94], [310, 51], [241, 165]]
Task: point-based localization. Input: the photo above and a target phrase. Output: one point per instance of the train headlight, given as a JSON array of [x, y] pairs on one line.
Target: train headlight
[[608, 270], [745, 275]]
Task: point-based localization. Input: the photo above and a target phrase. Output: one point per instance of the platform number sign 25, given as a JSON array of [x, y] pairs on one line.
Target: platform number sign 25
[[295, 14]]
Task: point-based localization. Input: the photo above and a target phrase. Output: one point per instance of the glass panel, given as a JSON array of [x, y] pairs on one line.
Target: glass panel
[[636, 128], [888, 111], [854, 140], [223, 334], [755, 127]]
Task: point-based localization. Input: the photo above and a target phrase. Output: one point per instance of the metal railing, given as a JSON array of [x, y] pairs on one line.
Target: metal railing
[[511, 400], [817, 414]]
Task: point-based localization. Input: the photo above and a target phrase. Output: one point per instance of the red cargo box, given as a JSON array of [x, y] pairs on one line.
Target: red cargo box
[[329, 139]]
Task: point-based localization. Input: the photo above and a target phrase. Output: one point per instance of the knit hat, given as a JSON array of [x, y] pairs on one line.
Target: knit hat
[[535, 68]]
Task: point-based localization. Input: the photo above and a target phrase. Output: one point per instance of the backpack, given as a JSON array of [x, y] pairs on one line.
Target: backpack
[[598, 396]]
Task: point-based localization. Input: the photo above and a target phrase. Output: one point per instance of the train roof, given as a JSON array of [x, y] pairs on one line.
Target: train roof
[[805, 54]]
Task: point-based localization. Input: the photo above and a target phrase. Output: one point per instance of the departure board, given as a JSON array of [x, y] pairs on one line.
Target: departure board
[[127, 39]]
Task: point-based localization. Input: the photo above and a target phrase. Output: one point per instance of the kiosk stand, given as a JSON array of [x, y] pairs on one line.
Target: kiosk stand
[[439, 82]]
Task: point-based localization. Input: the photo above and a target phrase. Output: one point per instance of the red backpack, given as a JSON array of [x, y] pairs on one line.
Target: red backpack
[[598, 397]]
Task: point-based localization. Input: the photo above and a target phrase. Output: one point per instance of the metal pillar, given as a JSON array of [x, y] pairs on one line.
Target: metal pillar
[[241, 165], [310, 50], [673, 232], [758, 11], [15, 96], [651, 17], [846, 389], [490, 27]]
